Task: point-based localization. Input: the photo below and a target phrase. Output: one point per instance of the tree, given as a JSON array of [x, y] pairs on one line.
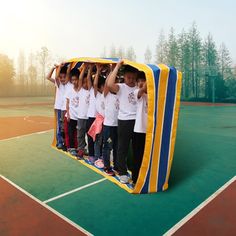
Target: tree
[[210, 58], [195, 46], [121, 52], [172, 49], [21, 76], [148, 56], [130, 54], [112, 51], [184, 62], [7, 73], [161, 49], [43, 59]]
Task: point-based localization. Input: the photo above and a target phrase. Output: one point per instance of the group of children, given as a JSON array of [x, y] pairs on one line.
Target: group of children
[[108, 105]]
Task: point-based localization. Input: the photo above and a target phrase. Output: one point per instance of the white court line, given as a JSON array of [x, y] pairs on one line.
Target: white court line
[[74, 190], [47, 207], [26, 135], [172, 230]]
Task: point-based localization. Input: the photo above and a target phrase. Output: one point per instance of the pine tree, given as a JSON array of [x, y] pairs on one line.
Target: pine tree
[[210, 60], [184, 62], [172, 49], [121, 52], [161, 49], [130, 54], [195, 44], [226, 70], [148, 56]]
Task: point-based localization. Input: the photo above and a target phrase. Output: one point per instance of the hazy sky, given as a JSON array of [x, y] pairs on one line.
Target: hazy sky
[[76, 28]]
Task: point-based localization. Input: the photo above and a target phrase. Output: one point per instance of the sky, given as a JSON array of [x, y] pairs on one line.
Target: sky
[[75, 28]]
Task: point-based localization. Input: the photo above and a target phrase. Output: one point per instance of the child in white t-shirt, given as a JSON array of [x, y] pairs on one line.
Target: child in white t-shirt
[[126, 115], [140, 125], [110, 138], [59, 81], [72, 104], [98, 86], [84, 87]]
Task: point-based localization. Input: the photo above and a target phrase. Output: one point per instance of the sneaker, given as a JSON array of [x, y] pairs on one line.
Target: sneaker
[[64, 148], [124, 179], [73, 152], [115, 170], [99, 163], [60, 146], [80, 153], [91, 160], [109, 171]]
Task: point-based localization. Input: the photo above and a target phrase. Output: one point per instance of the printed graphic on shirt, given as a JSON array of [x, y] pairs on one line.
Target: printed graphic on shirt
[[131, 98], [87, 99], [75, 101], [102, 105], [117, 104]]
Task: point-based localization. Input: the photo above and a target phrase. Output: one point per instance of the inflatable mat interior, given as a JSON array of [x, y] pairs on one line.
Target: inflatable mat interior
[[163, 89]]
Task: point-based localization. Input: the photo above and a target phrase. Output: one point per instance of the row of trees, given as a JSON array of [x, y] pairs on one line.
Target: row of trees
[[28, 78], [208, 72]]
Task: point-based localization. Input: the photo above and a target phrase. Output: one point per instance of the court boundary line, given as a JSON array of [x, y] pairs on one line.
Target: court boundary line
[[184, 220], [73, 191], [47, 207], [26, 135]]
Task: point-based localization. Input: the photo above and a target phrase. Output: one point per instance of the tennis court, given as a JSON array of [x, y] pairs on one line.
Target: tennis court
[[85, 201]]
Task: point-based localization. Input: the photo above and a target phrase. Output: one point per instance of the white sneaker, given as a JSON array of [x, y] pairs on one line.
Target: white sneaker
[[124, 179]]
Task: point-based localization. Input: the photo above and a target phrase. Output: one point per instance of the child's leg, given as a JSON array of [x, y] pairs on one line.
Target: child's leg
[[125, 133], [138, 150], [59, 123], [114, 138], [97, 146], [81, 134], [66, 133], [71, 129], [90, 139], [106, 146]]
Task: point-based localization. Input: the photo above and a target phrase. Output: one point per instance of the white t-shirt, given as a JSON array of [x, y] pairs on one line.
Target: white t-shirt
[[74, 101], [83, 103], [128, 103], [141, 116], [68, 87], [59, 96], [100, 103], [111, 109], [92, 104]]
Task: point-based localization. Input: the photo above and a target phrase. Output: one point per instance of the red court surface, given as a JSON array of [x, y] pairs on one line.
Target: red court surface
[[21, 215], [218, 217]]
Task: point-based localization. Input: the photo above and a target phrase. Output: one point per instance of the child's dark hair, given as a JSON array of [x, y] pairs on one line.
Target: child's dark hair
[[101, 81], [129, 69], [141, 76], [63, 70], [74, 72]]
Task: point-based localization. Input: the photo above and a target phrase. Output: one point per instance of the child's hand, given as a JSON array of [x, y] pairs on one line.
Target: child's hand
[[68, 117], [99, 67], [120, 63]]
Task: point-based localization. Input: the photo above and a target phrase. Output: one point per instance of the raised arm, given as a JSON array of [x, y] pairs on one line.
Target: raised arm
[[58, 74], [49, 76], [95, 82], [81, 76], [89, 76], [68, 73], [111, 82]]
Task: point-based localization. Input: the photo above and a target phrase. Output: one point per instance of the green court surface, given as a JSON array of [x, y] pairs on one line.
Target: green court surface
[[204, 160]]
